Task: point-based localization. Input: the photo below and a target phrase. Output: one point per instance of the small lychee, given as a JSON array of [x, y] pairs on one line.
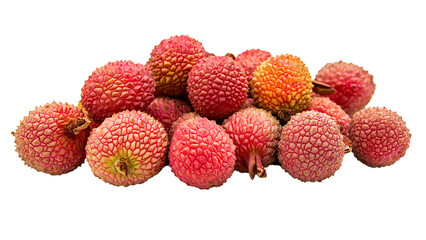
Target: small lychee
[[311, 146], [201, 153], [250, 59], [52, 138], [128, 148], [379, 136], [255, 133]]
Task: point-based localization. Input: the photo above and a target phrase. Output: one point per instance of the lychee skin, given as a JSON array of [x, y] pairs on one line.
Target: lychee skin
[[180, 120], [115, 87], [379, 136], [167, 110], [325, 105], [282, 84], [128, 148], [311, 146], [354, 85], [171, 62], [217, 87], [201, 153], [250, 59], [49, 139], [255, 133]]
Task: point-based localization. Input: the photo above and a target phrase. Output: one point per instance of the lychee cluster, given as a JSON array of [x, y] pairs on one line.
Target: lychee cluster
[[207, 116]]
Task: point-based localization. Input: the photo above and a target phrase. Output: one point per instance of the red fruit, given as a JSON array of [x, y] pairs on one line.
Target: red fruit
[[379, 136], [128, 148], [117, 86], [180, 120], [354, 85], [52, 138], [217, 87], [201, 153], [250, 59], [311, 146], [255, 133], [171, 61]]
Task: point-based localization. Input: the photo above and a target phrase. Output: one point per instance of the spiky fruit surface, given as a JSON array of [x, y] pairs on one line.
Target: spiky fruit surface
[[128, 148], [201, 153], [282, 85], [255, 133], [117, 86], [354, 85], [171, 61], [325, 105], [379, 136], [180, 120], [311, 146], [217, 87], [250, 59], [51, 139], [167, 110]]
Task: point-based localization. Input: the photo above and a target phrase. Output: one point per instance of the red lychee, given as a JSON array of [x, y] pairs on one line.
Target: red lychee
[[250, 59]]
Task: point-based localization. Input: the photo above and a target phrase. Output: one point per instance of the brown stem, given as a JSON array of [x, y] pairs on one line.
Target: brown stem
[[322, 88], [255, 166], [122, 166], [348, 144], [77, 125], [230, 55]]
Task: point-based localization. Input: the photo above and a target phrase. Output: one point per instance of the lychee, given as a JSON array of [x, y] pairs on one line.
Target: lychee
[[255, 133], [167, 110], [250, 59], [217, 87], [180, 120], [201, 153], [52, 138], [379, 136], [325, 105], [128, 148], [282, 85], [117, 86], [354, 86], [311, 146], [171, 61]]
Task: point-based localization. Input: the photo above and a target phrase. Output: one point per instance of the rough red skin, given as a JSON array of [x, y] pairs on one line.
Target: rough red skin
[[181, 119], [282, 84], [379, 136], [354, 85], [250, 59], [171, 61], [133, 137], [254, 132], [167, 110], [311, 146], [325, 105], [117, 86], [201, 153], [217, 87], [44, 142]]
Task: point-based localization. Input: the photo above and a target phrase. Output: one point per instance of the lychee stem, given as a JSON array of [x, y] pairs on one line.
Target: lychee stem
[[121, 166], [77, 125], [348, 144], [255, 166], [322, 88]]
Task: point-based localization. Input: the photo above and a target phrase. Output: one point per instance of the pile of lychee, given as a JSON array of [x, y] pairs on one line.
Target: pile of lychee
[[206, 115]]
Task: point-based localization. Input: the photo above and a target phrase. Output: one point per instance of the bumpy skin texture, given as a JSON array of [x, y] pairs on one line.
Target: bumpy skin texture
[[282, 85], [379, 136], [182, 119], [171, 62], [44, 140], [128, 148], [117, 86], [201, 153], [254, 132], [325, 105], [167, 110], [250, 59], [217, 87], [354, 85], [311, 146]]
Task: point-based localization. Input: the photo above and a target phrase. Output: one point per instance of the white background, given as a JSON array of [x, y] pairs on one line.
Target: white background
[[48, 49]]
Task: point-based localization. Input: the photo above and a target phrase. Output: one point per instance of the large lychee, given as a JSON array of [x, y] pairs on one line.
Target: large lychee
[[167, 110], [201, 153], [128, 148], [255, 133], [379, 136], [311, 146], [282, 85], [217, 87], [180, 120], [52, 138], [325, 105], [250, 59], [354, 86], [171, 61]]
